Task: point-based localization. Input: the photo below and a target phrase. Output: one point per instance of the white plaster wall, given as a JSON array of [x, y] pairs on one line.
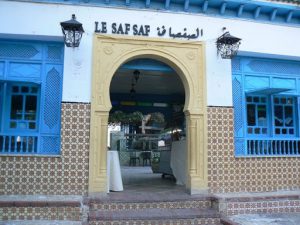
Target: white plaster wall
[[38, 20]]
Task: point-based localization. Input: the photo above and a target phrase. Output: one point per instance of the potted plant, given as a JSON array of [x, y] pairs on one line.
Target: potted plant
[[157, 119], [118, 117]]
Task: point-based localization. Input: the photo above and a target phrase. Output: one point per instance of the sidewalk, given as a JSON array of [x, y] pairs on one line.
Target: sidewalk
[[265, 219]]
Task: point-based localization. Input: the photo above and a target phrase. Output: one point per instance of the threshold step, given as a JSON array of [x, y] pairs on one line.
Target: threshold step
[[152, 214], [40, 222]]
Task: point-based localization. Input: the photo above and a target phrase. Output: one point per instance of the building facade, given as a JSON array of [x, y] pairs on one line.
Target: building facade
[[242, 114]]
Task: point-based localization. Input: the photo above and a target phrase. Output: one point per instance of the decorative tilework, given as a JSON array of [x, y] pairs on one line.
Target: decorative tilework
[[115, 206], [249, 174], [40, 213], [253, 207], [200, 221], [66, 174]]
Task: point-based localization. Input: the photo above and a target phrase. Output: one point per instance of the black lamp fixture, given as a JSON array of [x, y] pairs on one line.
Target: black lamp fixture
[[136, 75], [228, 45], [134, 80], [72, 31], [132, 90]]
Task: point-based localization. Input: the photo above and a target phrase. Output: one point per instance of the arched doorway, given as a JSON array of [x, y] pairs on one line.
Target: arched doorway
[[147, 126], [187, 59]]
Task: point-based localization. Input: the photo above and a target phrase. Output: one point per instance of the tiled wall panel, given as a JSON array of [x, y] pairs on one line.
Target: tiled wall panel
[[254, 174], [63, 175], [40, 213], [68, 174]]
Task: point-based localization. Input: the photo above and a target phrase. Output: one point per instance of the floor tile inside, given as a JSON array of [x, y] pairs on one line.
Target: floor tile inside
[[140, 183]]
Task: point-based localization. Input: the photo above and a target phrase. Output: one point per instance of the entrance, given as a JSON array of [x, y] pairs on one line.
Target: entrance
[[187, 60], [147, 126]]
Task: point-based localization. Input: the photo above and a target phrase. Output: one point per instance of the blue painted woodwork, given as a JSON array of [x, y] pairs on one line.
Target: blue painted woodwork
[[167, 5], [245, 9], [186, 5], [1, 69], [238, 103], [24, 71], [257, 123], [240, 12], [147, 3], [267, 91], [257, 12], [266, 106], [31, 72], [205, 6], [289, 16], [1, 102], [51, 100], [256, 82], [273, 15], [20, 51], [146, 64], [22, 107], [223, 8]]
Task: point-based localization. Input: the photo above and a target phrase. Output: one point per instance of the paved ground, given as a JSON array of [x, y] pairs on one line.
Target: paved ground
[[270, 219], [141, 183], [40, 222]]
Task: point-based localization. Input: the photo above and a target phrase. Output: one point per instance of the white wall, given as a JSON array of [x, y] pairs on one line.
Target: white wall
[[43, 19]]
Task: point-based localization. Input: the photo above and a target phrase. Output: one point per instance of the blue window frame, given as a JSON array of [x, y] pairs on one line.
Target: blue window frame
[[284, 115], [30, 97], [23, 105], [266, 107], [257, 121]]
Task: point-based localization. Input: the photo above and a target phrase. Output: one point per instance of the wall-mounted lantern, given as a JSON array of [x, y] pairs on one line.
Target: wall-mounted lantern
[[228, 45], [72, 31]]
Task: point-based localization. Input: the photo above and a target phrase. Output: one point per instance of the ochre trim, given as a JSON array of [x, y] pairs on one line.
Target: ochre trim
[[187, 59]]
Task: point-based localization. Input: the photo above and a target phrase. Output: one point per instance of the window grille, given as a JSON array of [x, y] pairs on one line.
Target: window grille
[[266, 117], [17, 144], [54, 53], [52, 99], [17, 51], [30, 97]]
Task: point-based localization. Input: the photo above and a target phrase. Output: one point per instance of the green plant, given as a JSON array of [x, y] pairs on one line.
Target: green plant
[[157, 118], [116, 117], [135, 117], [125, 118]]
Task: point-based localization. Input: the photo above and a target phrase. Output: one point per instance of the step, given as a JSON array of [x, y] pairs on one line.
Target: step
[[152, 211], [40, 222], [153, 214], [196, 221], [156, 216], [48, 208], [259, 203], [262, 219], [140, 204]]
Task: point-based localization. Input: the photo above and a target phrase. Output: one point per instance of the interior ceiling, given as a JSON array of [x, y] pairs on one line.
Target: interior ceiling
[[155, 78]]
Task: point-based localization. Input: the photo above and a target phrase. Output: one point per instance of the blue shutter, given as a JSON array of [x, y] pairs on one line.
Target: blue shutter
[[1, 104], [239, 121], [297, 121], [51, 95]]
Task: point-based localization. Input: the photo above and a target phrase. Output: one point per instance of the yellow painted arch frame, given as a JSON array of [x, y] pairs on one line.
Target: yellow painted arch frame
[[187, 59]]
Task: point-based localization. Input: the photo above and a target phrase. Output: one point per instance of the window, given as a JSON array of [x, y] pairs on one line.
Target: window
[[30, 97], [284, 116], [21, 116], [257, 122], [266, 107], [24, 102]]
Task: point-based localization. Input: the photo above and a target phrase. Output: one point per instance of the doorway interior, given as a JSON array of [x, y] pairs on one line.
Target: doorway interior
[[146, 123]]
